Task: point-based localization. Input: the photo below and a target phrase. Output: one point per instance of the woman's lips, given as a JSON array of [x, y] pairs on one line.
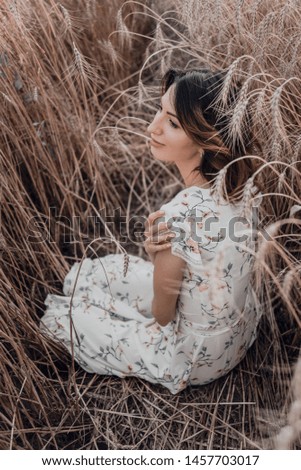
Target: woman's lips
[[155, 143]]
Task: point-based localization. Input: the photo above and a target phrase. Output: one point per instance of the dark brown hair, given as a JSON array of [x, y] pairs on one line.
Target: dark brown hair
[[194, 100]]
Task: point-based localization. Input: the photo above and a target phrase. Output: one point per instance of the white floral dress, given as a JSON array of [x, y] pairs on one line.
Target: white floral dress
[[113, 331]]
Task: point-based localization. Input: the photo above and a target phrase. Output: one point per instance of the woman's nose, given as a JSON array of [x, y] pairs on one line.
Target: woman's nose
[[154, 127]]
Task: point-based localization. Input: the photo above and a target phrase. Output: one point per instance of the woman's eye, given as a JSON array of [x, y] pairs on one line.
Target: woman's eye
[[173, 124]]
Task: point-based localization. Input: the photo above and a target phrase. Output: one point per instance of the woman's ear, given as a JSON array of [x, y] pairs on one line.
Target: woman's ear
[[201, 152]]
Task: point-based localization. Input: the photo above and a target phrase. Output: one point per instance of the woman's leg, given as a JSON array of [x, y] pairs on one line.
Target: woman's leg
[[106, 273]]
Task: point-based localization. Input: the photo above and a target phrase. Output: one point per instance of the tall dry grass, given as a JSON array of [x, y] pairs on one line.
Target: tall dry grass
[[77, 87]]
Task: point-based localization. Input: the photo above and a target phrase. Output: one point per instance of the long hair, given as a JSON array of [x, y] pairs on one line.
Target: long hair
[[194, 99]]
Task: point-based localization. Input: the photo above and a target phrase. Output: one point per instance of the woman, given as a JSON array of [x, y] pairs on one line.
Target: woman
[[187, 316]]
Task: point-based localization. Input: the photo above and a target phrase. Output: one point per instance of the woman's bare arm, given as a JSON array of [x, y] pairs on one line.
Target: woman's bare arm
[[167, 280]]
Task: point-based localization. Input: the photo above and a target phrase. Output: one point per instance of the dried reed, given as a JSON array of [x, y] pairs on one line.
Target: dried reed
[[69, 72]]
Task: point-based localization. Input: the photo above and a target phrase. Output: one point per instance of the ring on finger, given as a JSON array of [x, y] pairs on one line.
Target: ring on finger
[[154, 240]]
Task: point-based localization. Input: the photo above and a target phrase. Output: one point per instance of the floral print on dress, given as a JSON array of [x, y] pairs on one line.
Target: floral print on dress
[[108, 319]]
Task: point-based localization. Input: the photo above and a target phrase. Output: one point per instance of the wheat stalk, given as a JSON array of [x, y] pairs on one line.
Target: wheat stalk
[[48, 158], [247, 197], [14, 8], [79, 61], [125, 35], [91, 9], [297, 148], [288, 280], [229, 80], [218, 186], [238, 8], [261, 104], [66, 18], [159, 36], [141, 93], [112, 54], [276, 114], [126, 261], [290, 433]]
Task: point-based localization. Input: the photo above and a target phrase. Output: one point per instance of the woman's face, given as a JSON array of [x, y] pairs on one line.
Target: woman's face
[[174, 144]]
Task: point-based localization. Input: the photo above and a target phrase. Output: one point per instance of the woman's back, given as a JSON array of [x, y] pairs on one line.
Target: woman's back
[[110, 316], [218, 246]]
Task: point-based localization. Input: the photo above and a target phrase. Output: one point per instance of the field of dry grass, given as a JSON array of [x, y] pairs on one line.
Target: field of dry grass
[[78, 82]]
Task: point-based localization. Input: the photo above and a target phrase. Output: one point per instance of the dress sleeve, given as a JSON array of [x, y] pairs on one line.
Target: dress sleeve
[[187, 216]]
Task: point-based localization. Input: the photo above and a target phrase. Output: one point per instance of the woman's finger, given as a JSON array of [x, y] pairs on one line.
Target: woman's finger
[[153, 248], [155, 230], [151, 218], [157, 239], [151, 244], [163, 247]]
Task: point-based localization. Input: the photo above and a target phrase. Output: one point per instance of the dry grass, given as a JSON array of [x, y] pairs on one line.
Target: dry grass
[[77, 83]]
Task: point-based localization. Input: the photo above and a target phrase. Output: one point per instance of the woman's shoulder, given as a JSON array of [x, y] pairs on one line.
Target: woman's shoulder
[[193, 196], [188, 202], [196, 203], [194, 192], [197, 197]]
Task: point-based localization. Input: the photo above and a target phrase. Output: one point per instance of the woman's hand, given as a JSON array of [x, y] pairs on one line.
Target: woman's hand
[[158, 235]]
